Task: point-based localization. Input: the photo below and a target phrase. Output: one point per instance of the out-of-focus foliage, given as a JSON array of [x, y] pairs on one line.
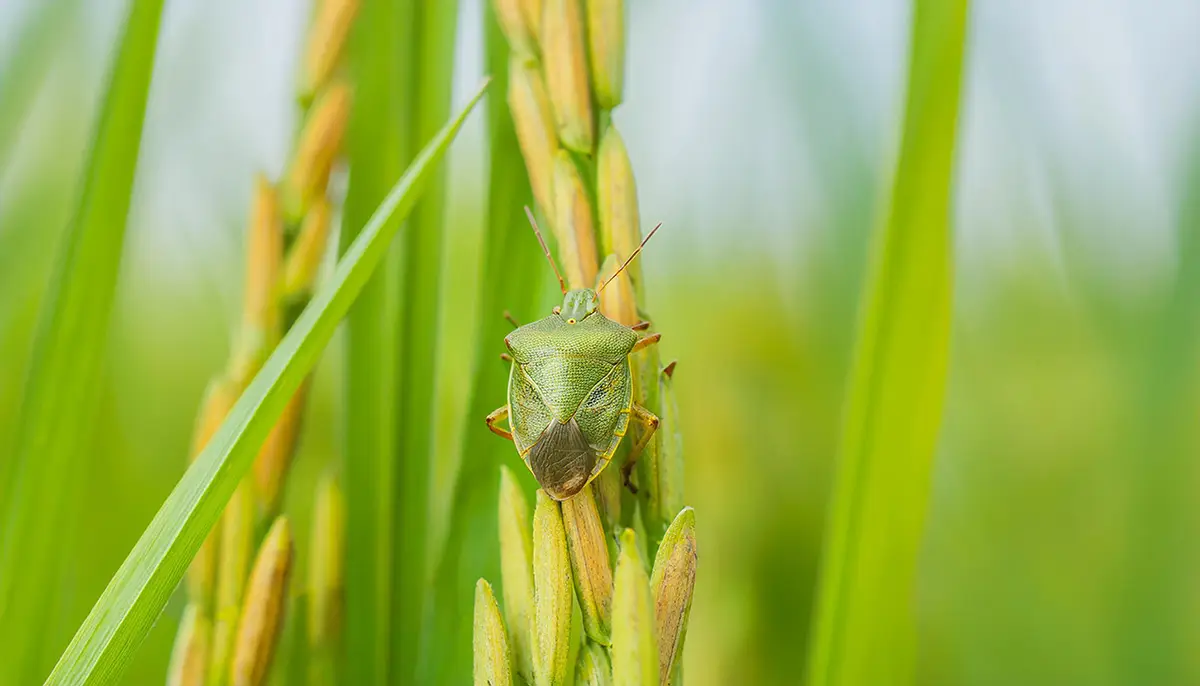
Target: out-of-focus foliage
[[131, 603], [1056, 543], [44, 472], [863, 627]]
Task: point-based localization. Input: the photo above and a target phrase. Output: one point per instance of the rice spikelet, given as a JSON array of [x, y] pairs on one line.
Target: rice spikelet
[[262, 612]]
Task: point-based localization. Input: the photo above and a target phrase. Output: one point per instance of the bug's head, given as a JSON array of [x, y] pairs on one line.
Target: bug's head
[[578, 304]]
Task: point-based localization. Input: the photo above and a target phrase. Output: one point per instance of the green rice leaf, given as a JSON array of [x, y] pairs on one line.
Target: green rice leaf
[[402, 57], [514, 279], [864, 626], [430, 54], [375, 155], [63, 387], [134, 598]]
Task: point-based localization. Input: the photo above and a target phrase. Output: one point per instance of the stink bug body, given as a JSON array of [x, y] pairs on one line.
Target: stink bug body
[[570, 391]]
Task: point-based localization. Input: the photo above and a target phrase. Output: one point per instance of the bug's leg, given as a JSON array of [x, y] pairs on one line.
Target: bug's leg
[[506, 357], [497, 416], [669, 370], [641, 326], [649, 424], [645, 342], [512, 320]]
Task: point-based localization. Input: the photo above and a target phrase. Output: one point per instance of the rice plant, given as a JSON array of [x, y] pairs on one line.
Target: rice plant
[[231, 626], [557, 101], [401, 58], [134, 598], [985, 482]]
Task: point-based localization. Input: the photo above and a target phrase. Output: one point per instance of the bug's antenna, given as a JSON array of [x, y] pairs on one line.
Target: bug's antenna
[[533, 222], [635, 254]]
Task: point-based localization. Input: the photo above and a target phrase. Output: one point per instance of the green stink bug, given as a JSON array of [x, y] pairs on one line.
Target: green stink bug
[[570, 390]]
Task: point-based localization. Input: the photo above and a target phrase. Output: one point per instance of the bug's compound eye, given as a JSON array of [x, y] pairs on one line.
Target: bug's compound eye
[[571, 320]]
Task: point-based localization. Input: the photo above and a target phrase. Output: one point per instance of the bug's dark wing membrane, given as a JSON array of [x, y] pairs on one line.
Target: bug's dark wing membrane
[[562, 460]]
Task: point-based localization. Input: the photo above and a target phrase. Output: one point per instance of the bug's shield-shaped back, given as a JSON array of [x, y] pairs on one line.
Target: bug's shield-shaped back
[[562, 460], [569, 394]]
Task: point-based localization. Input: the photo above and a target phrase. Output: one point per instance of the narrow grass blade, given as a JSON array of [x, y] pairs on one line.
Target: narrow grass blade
[[864, 624], [375, 156], [429, 55], [62, 389], [136, 595], [513, 276]]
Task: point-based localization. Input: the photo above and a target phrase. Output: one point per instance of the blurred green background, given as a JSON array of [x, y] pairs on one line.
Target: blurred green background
[[1060, 544]]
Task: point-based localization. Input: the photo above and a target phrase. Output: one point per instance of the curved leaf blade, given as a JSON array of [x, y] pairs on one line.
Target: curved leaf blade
[[127, 609]]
